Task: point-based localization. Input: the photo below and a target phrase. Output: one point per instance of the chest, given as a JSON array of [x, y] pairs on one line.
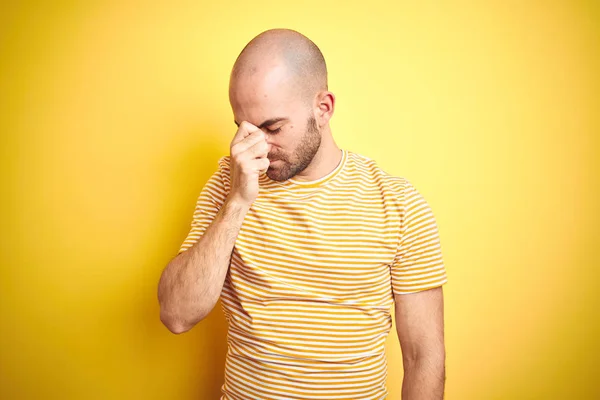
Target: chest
[[336, 249]]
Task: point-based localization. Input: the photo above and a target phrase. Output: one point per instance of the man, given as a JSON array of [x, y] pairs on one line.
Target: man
[[308, 246]]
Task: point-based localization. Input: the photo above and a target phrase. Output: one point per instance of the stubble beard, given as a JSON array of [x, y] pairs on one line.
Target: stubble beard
[[304, 154]]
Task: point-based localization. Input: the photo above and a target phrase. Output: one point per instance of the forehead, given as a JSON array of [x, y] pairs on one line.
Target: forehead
[[268, 90]]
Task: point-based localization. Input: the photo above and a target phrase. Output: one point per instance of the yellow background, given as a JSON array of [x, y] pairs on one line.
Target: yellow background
[[114, 114]]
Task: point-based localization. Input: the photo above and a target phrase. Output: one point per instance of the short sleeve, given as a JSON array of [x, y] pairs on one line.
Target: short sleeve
[[419, 264], [208, 204]]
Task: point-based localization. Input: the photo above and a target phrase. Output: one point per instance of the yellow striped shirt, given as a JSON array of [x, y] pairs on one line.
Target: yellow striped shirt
[[310, 286]]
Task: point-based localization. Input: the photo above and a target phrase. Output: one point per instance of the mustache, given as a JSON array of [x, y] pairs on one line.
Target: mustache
[[275, 158]]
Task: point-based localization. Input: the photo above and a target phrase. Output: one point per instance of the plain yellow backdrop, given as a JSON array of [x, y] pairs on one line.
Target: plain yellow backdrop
[[114, 114]]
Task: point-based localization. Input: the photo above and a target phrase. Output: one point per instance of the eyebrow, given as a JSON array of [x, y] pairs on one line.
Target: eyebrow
[[267, 122]]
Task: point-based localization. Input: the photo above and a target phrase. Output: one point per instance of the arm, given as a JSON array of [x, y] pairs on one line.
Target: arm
[[419, 321], [191, 283], [417, 275]]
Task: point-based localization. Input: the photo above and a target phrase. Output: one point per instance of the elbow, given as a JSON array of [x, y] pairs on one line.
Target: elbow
[[170, 317], [174, 325], [177, 318], [175, 328], [431, 357]]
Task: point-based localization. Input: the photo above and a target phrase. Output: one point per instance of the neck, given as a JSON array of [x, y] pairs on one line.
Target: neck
[[327, 158]]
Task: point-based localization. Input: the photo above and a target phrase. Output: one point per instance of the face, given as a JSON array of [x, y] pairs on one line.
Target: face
[[287, 164], [270, 102]]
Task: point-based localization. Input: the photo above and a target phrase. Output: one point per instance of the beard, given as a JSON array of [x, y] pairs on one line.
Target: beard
[[302, 155]]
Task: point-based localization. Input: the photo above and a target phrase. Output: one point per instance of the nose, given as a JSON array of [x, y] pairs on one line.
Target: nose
[[268, 140]]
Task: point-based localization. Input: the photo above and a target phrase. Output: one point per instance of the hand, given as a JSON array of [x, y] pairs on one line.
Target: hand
[[248, 150]]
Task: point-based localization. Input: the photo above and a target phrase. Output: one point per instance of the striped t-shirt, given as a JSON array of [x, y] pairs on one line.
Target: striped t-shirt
[[310, 286]]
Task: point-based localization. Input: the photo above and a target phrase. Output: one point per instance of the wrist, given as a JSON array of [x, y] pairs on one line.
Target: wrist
[[235, 203]]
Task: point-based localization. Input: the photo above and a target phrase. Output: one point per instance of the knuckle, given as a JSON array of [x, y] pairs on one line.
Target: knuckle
[[247, 126], [258, 133], [235, 154], [237, 162]]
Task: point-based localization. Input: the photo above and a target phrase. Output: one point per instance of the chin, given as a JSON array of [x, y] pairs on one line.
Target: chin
[[277, 175]]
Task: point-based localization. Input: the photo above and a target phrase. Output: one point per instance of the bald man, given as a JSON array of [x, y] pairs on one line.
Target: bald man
[[308, 246]]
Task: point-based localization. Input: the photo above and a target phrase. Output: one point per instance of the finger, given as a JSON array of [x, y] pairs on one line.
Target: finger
[[260, 149], [262, 164], [245, 129], [249, 141]]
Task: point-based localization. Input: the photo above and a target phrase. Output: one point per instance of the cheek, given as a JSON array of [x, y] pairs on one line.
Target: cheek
[[287, 139], [286, 142]]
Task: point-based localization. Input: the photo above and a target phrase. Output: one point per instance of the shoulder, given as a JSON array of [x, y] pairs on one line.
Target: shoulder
[[371, 170]]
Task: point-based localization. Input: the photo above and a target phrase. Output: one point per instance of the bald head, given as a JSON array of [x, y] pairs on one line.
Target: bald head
[[281, 55]]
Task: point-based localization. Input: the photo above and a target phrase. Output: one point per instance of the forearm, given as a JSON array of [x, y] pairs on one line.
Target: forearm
[[191, 283], [424, 379]]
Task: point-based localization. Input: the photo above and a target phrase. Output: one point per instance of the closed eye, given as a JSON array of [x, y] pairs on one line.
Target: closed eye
[[273, 131]]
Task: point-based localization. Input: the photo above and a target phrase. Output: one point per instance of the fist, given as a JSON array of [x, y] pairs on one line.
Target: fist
[[248, 153]]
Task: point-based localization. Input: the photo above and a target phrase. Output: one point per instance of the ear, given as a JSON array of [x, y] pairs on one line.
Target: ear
[[325, 104]]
